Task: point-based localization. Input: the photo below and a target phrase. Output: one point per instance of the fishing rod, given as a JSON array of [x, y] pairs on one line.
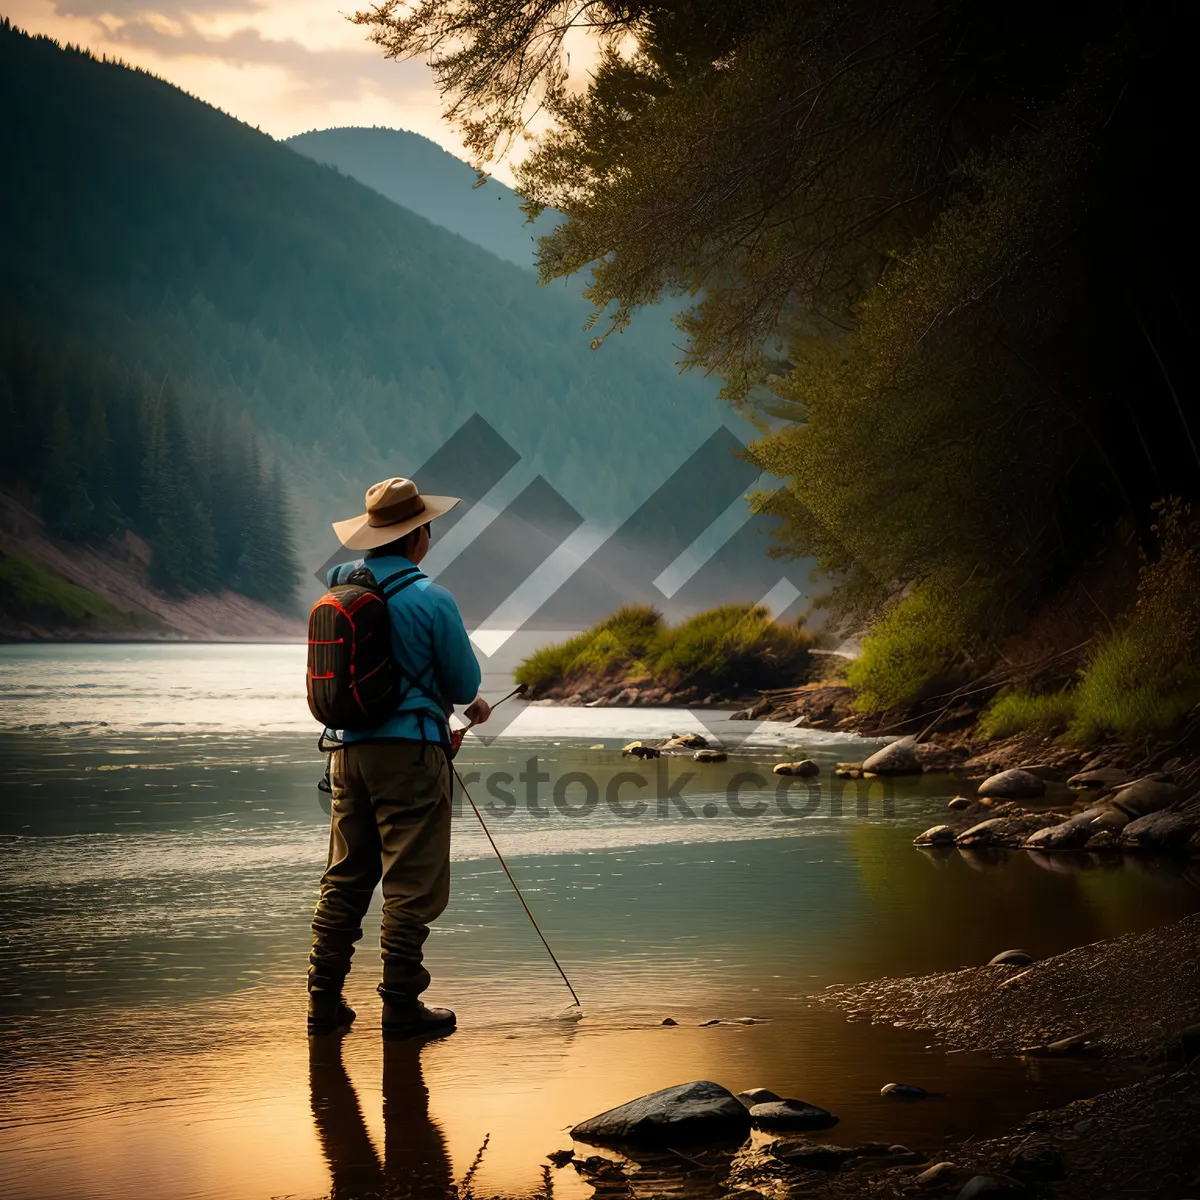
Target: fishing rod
[[488, 834]]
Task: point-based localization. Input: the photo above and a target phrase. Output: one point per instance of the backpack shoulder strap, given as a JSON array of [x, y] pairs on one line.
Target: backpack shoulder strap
[[389, 580], [395, 584]]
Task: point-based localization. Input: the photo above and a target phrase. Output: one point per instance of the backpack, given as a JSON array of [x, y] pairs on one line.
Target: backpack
[[354, 681]]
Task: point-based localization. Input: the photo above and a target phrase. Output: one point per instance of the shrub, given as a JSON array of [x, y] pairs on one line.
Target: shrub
[[1018, 710], [911, 646], [1143, 678], [736, 643]]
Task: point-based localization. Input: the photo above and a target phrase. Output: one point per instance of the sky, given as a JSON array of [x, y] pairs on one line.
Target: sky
[[285, 66]]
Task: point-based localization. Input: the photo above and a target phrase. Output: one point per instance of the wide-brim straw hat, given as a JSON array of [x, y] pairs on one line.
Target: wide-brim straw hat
[[394, 507]]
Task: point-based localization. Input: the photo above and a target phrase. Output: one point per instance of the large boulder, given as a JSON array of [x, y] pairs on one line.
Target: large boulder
[[1146, 796], [1013, 785], [1160, 831], [689, 1112], [896, 758]]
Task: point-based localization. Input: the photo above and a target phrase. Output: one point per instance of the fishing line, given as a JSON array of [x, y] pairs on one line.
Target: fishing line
[[528, 912], [507, 872]]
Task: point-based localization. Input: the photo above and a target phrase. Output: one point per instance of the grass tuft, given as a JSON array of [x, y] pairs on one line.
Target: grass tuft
[[734, 644]]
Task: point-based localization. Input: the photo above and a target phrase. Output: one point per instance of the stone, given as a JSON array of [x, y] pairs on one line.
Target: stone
[[1102, 779], [710, 756], [685, 741], [790, 1114], [1073, 833], [669, 1021], [1003, 831], [752, 1096], [560, 1158], [940, 1174], [805, 768], [903, 1091], [625, 697], [959, 803], [1013, 785], [1102, 839], [981, 1186], [573, 701], [689, 1112], [1011, 958], [639, 750], [939, 835], [1160, 831], [811, 1156], [1145, 796], [896, 758]]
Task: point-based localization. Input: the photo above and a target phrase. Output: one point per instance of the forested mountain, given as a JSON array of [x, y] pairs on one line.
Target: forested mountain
[[99, 449], [355, 335], [421, 176]]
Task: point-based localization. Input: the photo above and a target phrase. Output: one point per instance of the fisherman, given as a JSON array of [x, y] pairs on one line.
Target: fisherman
[[391, 785]]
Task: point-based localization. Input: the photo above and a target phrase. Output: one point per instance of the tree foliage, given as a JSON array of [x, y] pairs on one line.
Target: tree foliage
[[99, 449], [939, 250]]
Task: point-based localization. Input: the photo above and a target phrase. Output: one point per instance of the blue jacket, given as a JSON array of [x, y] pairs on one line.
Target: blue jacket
[[430, 643]]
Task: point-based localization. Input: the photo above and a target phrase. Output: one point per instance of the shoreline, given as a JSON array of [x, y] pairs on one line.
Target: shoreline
[[1139, 1137]]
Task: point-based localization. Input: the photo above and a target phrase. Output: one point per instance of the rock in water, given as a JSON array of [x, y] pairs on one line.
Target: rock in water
[[1073, 833], [805, 768], [1102, 779], [811, 1156], [791, 1114], [710, 756], [1011, 958], [1160, 831], [1003, 831], [689, 1112], [897, 758], [1012, 785], [752, 1096], [560, 1158], [1145, 796], [685, 741], [939, 835], [958, 803], [903, 1091]]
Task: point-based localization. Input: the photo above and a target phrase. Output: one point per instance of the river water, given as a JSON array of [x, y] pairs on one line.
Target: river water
[[161, 840]]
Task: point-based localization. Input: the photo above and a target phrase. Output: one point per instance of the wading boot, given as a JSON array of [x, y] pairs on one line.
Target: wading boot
[[415, 1020], [328, 1013]]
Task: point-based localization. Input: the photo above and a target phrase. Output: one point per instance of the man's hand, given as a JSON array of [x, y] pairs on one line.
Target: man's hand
[[478, 711]]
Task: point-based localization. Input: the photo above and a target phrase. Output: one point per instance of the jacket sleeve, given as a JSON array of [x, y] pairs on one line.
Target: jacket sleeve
[[457, 668]]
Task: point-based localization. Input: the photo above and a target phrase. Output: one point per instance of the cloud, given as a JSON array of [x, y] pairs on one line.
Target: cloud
[[324, 73], [126, 10]]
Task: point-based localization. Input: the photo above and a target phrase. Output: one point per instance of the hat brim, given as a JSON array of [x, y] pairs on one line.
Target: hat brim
[[358, 534]]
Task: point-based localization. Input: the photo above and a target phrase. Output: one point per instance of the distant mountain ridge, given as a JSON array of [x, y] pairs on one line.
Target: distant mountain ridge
[[353, 333], [419, 175]]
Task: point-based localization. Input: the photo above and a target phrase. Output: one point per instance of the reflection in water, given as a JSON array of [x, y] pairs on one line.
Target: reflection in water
[[158, 888], [416, 1163]]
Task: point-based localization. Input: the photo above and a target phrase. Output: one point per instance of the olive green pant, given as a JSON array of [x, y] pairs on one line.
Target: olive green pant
[[391, 822]]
